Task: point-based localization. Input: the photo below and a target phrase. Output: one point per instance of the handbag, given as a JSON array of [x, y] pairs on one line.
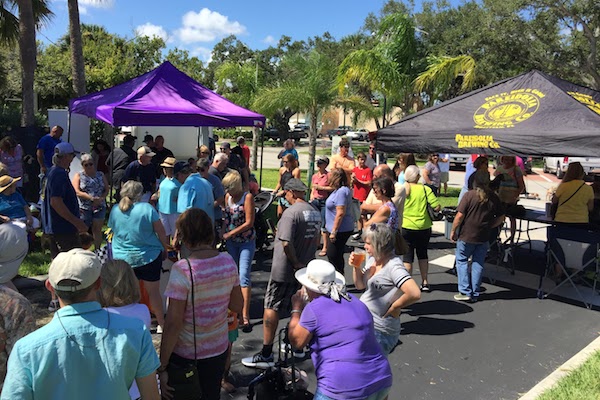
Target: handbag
[[433, 214], [554, 206], [183, 376], [400, 245]]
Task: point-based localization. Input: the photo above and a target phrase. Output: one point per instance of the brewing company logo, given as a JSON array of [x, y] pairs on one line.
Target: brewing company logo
[[586, 100], [505, 110]]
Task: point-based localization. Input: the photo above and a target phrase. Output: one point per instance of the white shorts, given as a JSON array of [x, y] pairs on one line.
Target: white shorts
[[168, 221]]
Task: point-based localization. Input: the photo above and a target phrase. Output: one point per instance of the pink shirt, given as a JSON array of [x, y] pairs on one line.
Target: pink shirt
[[213, 280], [321, 180]]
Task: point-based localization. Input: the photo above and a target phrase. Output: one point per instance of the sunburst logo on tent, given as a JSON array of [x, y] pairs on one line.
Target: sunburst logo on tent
[[586, 100], [505, 110]]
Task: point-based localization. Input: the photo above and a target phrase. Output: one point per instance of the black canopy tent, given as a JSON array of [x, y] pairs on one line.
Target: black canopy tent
[[533, 114]]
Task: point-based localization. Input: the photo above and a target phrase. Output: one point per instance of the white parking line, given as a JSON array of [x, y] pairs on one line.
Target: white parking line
[[545, 177]]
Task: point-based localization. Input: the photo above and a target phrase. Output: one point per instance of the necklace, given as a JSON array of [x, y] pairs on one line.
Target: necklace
[[72, 338]]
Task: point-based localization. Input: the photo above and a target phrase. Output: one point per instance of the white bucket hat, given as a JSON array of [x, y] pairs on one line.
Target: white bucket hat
[[320, 276], [13, 249]]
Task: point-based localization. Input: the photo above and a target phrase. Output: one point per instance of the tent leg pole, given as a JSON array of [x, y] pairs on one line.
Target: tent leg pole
[[262, 152], [112, 163], [69, 128]]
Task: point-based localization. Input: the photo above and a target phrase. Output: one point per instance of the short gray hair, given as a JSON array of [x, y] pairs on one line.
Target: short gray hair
[[411, 174], [85, 158], [203, 163], [381, 238], [221, 157]]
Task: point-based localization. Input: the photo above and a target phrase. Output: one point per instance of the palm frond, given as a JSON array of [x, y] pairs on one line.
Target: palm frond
[[442, 71], [9, 23], [41, 12]]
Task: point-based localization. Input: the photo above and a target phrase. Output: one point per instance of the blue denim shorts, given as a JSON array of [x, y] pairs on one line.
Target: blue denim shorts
[[386, 341], [88, 216]]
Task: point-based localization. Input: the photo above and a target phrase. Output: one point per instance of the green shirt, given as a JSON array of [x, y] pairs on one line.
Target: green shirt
[[415, 208]]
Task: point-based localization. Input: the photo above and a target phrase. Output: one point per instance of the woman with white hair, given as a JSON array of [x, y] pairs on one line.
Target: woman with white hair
[[91, 187], [348, 361], [416, 224], [389, 285], [139, 239]]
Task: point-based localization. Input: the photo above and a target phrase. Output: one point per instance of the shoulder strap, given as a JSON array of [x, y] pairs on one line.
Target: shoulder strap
[[574, 193], [193, 306]]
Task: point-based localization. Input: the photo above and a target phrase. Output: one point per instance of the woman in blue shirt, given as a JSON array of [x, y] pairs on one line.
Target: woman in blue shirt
[[338, 219], [139, 239]]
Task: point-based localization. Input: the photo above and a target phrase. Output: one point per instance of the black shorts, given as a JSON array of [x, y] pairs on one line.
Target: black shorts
[[149, 272], [416, 240], [279, 295]]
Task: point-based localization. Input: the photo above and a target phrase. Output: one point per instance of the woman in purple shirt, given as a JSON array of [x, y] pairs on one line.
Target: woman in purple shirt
[[339, 328]]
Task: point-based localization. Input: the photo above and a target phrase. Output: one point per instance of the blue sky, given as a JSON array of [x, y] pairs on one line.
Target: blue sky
[[198, 25]]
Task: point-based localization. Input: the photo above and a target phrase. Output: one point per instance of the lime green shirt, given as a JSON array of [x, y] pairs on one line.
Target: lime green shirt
[[415, 208]]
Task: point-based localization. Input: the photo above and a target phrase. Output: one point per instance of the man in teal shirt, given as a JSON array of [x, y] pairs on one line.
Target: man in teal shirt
[[84, 352], [196, 192]]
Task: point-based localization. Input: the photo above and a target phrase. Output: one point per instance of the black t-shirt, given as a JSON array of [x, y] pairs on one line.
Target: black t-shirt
[[159, 158], [141, 173]]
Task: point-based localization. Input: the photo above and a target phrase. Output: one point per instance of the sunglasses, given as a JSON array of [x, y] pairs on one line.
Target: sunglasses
[[88, 164], [345, 146], [206, 152]]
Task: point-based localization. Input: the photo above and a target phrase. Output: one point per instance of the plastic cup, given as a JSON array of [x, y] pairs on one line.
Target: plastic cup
[[360, 256]]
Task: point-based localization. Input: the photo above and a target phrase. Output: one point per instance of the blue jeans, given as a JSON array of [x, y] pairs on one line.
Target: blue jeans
[[386, 342], [469, 284], [243, 254], [380, 395]]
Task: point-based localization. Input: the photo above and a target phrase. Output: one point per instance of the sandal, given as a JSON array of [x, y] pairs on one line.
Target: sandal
[[322, 253], [228, 387]]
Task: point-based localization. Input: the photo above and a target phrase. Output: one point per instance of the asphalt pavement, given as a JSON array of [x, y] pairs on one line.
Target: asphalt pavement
[[497, 348]]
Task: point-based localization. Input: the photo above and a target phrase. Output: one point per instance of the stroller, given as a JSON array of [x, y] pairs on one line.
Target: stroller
[[281, 382], [262, 224]]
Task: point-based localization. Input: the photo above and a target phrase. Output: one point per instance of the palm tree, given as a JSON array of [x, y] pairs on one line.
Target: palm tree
[[441, 75], [240, 84], [308, 87], [387, 68], [77, 61], [22, 29]]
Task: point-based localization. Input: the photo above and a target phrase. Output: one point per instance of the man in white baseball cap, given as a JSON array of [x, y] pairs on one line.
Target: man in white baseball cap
[[84, 349], [142, 170]]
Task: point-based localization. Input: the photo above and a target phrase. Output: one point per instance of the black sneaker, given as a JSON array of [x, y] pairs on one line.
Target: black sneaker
[[259, 361], [425, 287]]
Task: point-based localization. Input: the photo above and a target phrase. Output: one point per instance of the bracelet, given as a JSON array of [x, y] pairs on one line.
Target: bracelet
[[296, 312]]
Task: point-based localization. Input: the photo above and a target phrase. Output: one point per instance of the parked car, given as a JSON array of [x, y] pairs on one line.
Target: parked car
[[339, 131], [459, 160], [272, 133], [559, 165], [361, 134]]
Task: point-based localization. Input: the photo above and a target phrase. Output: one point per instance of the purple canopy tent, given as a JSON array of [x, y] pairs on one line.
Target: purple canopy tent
[[164, 96]]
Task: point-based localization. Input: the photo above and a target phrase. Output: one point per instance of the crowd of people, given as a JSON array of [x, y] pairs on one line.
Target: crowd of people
[[182, 210]]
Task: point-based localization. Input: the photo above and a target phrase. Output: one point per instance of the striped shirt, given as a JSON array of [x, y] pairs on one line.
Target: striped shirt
[[213, 280]]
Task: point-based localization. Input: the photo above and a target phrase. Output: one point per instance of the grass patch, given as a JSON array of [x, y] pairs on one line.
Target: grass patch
[[581, 384], [35, 263]]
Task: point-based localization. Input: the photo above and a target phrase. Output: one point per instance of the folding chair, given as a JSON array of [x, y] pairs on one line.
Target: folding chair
[[576, 252]]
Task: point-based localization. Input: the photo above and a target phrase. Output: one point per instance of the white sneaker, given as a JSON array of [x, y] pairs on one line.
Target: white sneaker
[[357, 236], [258, 361], [54, 305], [159, 329]]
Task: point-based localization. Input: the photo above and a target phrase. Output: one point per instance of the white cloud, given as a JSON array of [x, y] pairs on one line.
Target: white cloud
[[97, 3], [151, 31], [206, 26], [269, 40], [83, 10], [202, 53]]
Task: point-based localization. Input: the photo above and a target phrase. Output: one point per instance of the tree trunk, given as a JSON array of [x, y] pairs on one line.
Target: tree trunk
[[77, 62], [28, 49], [312, 148], [255, 140]]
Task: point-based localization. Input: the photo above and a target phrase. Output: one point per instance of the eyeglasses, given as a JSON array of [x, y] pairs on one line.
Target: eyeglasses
[[88, 164]]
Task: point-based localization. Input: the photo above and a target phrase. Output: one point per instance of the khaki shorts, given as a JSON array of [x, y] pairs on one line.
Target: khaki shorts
[[444, 177]]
